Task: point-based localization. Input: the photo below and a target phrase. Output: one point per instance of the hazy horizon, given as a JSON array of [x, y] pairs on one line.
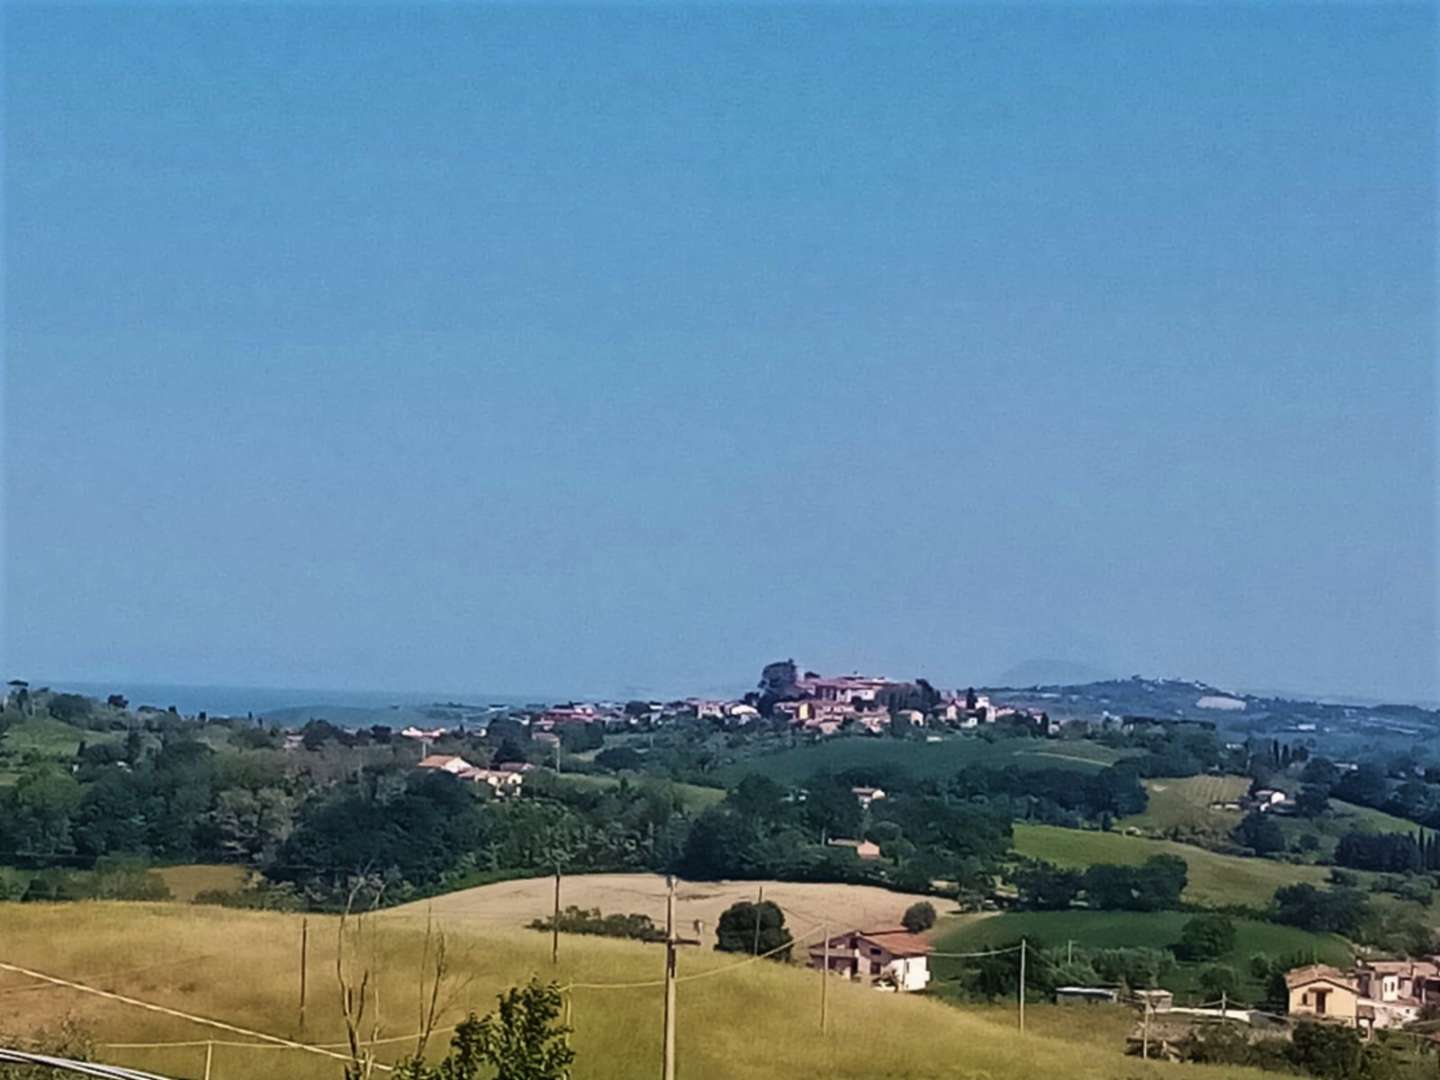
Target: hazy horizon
[[601, 347]]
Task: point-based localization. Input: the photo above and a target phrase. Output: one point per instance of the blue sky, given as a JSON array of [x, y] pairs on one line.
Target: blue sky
[[574, 349]]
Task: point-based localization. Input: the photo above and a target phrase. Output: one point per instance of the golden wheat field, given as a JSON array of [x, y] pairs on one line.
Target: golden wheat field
[[755, 1021]]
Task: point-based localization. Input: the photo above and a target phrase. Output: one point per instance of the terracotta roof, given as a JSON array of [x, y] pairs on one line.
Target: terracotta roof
[[439, 761], [1318, 973], [897, 941], [1401, 967]]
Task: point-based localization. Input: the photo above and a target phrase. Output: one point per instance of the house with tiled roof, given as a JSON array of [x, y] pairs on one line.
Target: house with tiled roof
[[891, 959]]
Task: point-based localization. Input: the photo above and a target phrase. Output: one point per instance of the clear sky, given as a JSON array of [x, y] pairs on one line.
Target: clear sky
[[541, 348]]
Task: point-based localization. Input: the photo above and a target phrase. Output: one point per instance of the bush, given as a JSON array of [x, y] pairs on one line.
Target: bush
[[577, 920], [754, 928], [1217, 980], [1206, 937], [919, 917]]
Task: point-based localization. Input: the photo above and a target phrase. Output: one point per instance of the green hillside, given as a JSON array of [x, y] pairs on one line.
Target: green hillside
[[1187, 804], [758, 1021], [923, 759], [1128, 929], [1215, 879]]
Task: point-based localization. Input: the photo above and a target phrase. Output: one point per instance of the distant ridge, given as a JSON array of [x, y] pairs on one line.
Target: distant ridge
[[1051, 672]]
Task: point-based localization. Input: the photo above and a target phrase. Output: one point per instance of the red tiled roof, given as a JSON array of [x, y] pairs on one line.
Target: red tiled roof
[[897, 942]]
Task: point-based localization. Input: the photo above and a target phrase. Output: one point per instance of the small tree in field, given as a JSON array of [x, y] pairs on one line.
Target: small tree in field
[[919, 917], [754, 928], [519, 1041]]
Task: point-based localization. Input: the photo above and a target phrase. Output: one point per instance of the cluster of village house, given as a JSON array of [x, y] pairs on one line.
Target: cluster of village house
[[1374, 994], [822, 706]]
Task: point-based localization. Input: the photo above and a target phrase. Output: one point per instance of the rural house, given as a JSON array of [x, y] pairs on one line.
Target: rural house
[[1321, 992], [893, 958], [453, 764], [865, 849], [867, 795]]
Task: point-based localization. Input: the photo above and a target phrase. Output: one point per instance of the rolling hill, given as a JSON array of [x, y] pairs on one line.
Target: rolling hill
[[755, 1021]]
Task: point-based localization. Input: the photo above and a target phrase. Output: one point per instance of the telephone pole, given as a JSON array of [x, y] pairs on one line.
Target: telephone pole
[[756, 950], [304, 955], [671, 943], [1022, 985], [825, 983], [555, 921], [1145, 1032]]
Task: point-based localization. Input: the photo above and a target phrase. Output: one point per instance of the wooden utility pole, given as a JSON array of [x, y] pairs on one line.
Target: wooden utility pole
[[1070, 951], [1224, 1003], [669, 1062], [555, 922], [825, 983], [671, 944], [304, 957], [755, 951], [1022, 984], [1145, 1031], [209, 1057]]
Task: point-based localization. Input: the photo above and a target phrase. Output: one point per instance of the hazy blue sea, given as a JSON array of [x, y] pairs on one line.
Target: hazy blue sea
[[265, 700]]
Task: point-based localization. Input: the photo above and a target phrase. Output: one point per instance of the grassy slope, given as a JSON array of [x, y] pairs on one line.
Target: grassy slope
[[47, 737], [188, 881], [1214, 879], [1185, 804], [757, 1023], [1117, 929], [695, 796], [921, 758]]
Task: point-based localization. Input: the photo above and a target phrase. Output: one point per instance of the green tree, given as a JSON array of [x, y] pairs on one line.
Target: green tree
[[1216, 980], [754, 928], [1261, 834], [1045, 887], [1206, 937], [919, 917]]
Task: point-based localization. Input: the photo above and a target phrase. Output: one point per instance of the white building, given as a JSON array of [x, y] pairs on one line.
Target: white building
[[887, 959]]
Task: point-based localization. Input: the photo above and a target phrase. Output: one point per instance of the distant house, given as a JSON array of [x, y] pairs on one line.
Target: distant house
[[889, 959], [502, 782], [1321, 992], [1266, 799], [422, 735], [1155, 1000], [865, 849], [453, 764], [845, 688], [867, 795], [1085, 995]]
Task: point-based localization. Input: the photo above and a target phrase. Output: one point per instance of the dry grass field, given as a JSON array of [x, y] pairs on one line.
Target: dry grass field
[[807, 906], [736, 1021]]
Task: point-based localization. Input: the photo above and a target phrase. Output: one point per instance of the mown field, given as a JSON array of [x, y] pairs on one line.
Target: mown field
[[1215, 879], [1131, 929], [1186, 803], [922, 759], [698, 904], [759, 1021]]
